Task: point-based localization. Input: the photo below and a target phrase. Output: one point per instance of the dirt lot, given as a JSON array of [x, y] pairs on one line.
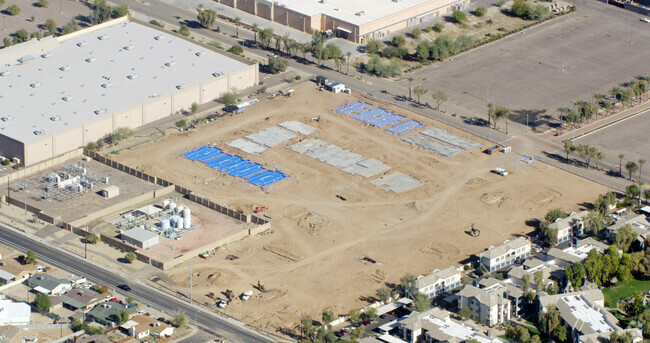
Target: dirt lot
[[308, 261]]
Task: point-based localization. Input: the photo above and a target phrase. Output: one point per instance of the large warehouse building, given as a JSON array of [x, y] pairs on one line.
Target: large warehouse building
[[58, 94], [357, 20]]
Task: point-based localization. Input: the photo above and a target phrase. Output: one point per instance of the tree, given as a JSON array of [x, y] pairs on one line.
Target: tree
[[373, 46], [20, 36], [539, 279], [631, 168], [499, 113], [207, 18], [42, 3], [407, 282], [625, 236], [184, 30], [122, 317], [30, 258], [419, 91], [520, 8], [130, 301], [398, 41], [120, 11], [526, 279], [568, 147], [50, 26], [354, 315], [194, 108], [620, 164], [480, 11], [416, 33], [236, 20], [384, 294], [179, 320], [236, 49], [229, 98], [549, 320], [437, 27], [554, 214], [421, 302], [635, 307], [535, 339], [442, 47], [459, 16], [422, 50], [101, 12], [370, 313], [277, 65], [42, 302], [348, 55], [560, 333], [265, 37], [465, 313], [70, 27], [327, 316], [92, 238], [13, 10], [130, 257], [549, 235], [641, 163], [593, 223], [439, 97]]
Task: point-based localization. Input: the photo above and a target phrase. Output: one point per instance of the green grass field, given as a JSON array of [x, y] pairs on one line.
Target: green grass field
[[623, 290]]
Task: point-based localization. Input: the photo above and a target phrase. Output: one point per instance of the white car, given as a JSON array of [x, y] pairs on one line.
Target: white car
[[142, 312], [222, 304], [271, 55], [645, 20]]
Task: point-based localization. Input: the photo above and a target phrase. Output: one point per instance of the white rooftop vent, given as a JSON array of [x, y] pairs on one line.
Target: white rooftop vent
[[154, 95], [55, 118], [7, 118], [47, 55], [5, 73], [129, 47], [181, 86], [38, 132], [91, 59], [65, 68], [36, 85], [80, 44], [100, 111], [200, 53], [360, 13], [103, 37], [217, 74], [159, 37], [67, 98], [132, 76], [337, 9], [106, 77], [107, 85], [170, 63]]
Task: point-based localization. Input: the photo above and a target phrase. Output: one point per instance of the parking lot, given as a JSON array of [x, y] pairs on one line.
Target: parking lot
[[549, 66]]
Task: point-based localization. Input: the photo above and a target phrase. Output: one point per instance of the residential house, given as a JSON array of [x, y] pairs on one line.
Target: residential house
[[142, 326], [550, 273], [584, 315], [13, 334], [487, 306], [48, 284], [94, 339], [577, 252], [439, 281], [638, 223], [12, 313], [511, 292], [436, 325], [505, 254], [81, 299], [106, 313], [569, 227], [11, 270]]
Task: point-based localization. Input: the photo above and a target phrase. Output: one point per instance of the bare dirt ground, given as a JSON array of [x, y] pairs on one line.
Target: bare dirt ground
[[307, 261]]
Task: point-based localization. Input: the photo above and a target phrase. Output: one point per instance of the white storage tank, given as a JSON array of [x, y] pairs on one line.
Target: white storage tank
[[179, 223], [164, 224], [172, 206], [179, 209], [173, 221], [187, 222], [165, 204]]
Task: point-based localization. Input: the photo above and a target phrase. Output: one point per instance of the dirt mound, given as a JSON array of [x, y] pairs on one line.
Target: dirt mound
[[546, 196], [441, 250], [312, 222], [283, 254], [414, 206], [494, 199], [475, 181]]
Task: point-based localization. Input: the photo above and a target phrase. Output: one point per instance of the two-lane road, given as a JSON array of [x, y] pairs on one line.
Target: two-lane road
[[222, 327]]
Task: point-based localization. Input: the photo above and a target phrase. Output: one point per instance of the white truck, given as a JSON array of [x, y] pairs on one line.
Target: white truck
[[500, 171], [246, 296]]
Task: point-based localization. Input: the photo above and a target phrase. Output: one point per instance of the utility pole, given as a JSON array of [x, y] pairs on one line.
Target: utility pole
[[191, 284], [25, 214]]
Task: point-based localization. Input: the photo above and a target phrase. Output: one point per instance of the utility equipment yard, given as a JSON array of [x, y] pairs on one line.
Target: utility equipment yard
[[326, 219]]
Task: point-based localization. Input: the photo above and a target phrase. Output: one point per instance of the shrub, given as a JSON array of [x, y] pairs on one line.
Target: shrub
[[459, 16], [277, 65], [92, 146], [184, 30], [156, 23], [49, 26], [20, 36], [236, 49], [181, 123], [437, 27], [195, 107], [427, 29], [13, 10], [520, 8], [36, 34], [480, 11], [416, 33], [261, 90], [373, 46], [42, 3], [120, 11], [6, 162], [229, 98], [130, 257]]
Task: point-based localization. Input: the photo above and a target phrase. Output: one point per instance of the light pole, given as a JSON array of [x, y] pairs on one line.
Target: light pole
[[526, 122]]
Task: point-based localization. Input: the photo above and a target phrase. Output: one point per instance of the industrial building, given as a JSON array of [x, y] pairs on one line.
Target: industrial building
[[141, 238], [357, 21], [60, 93]]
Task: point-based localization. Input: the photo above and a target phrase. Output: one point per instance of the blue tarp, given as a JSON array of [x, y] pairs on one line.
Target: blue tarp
[[407, 126], [379, 117], [352, 107]]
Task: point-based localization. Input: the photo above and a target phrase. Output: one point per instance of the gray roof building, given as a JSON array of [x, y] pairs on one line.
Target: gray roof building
[[106, 313], [140, 237], [49, 284]]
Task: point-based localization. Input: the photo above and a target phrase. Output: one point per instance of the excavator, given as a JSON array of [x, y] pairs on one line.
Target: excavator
[[474, 232], [229, 294], [260, 286]]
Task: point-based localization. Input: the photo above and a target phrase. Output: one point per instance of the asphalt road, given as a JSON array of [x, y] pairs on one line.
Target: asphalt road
[[208, 322]]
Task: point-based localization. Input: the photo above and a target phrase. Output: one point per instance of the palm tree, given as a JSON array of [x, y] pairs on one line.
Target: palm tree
[[631, 167], [348, 54], [597, 97], [237, 20], [641, 163], [646, 80], [409, 80], [620, 164], [255, 26], [615, 92]]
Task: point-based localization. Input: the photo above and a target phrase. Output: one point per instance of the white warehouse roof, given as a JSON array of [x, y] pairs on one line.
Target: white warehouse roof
[[357, 12], [92, 73]]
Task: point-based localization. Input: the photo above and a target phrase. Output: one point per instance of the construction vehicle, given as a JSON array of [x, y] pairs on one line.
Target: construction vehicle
[[260, 286], [474, 232], [229, 294], [261, 208], [287, 93]]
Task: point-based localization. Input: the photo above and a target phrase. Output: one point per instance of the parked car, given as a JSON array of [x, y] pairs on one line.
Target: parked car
[[124, 287], [365, 322], [222, 304], [645, 20]]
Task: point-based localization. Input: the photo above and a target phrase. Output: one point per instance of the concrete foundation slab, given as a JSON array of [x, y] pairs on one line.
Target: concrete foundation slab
[[432, 144], [247, 146], [271, 137], [367, 168], [397, 182], [335, 156], [298, 127], [307, 145], [445, 136]]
